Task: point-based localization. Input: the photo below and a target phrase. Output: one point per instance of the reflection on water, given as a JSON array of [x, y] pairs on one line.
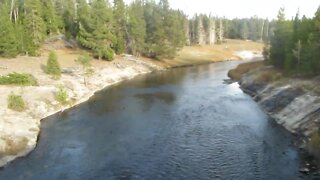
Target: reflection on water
[[185, 123]]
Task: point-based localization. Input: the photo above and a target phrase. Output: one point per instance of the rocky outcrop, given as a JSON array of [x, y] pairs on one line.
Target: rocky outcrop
[[292, 102]]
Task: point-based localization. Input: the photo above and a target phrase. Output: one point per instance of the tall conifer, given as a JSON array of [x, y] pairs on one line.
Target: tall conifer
[[8, 40]]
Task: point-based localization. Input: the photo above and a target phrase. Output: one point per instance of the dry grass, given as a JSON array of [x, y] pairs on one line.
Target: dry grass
[[241, 45], [219, 52], [241, 69], [265, 75]]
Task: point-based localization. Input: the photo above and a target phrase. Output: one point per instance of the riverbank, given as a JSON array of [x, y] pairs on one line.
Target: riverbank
[[293, 102], [19, 130]]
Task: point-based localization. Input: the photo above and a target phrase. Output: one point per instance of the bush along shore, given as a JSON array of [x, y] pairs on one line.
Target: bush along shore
[[293, 102]]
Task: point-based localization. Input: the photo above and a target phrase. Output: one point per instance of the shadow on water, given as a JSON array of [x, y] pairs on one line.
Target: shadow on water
[[185, 123]]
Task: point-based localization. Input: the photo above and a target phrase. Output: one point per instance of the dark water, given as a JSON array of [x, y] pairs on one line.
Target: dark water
[[181, 124]]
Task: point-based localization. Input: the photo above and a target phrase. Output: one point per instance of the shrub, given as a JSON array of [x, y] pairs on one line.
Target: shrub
[[85, 61], [18, 79], [104, 53], [108, 55], [53, 68], [16, 103], [61, 95]]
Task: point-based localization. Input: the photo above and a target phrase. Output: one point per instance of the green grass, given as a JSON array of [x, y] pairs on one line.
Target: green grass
[[16, 103], [20, 79]]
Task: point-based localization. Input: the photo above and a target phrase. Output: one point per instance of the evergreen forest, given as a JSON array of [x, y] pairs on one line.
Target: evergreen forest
[[152, 29]]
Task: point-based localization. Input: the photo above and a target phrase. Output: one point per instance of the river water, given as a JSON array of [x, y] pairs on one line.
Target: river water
[[185, 123]]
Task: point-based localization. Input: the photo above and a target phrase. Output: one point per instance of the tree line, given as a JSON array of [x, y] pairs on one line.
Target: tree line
[[152, 29], [143, 27], [206, 29], [254, 28], [295, 44]]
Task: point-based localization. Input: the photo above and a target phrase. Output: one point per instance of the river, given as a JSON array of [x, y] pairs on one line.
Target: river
[[184, 123]]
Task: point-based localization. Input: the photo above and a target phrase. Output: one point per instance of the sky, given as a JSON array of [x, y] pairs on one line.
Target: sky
[[245, 8]]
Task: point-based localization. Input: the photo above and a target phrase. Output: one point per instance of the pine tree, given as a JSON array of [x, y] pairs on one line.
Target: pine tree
[[244, 31], [296, 28], [162, 40], [85, 61], [315, 41], [53, 68], [195, 28], [50, 17], [67, 17], [279, 41], [136, 28], [8, 40], [177, 31], [34, 27], [154, 30], [95, 28], [162, 45], [120, 28]]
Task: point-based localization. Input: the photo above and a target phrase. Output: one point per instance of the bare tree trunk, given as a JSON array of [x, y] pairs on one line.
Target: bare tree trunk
[[202, 34], [11, 9], [15, 13], [221, 31], [212, 31], [262, 30]]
